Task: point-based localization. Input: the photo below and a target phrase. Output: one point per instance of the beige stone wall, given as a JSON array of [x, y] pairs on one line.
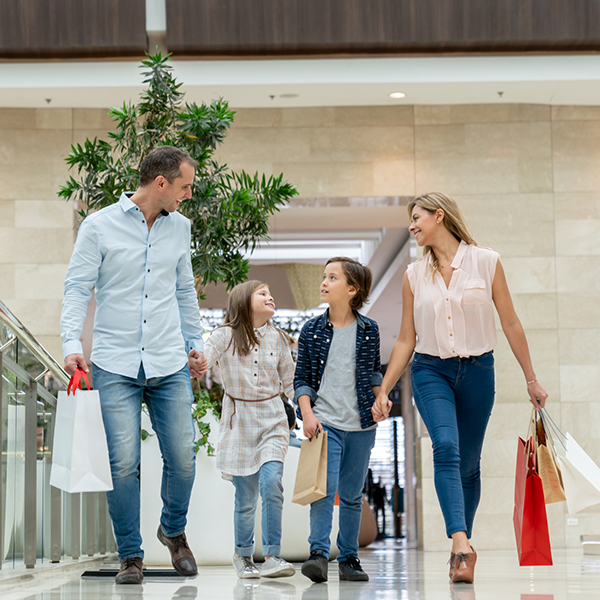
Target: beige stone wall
[[527, 177], [36, 227], [528, 180]]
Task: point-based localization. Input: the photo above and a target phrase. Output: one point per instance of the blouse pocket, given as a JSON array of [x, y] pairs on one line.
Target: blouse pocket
[[474, 293]]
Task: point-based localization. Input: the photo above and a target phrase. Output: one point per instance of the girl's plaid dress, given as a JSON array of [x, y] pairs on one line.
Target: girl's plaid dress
[[255, 430]]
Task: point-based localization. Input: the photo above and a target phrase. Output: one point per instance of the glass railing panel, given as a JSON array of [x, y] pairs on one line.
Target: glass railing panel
[[38, 522]]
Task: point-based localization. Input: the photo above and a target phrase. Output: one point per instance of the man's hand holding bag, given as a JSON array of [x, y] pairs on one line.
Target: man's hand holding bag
[[80, 461]]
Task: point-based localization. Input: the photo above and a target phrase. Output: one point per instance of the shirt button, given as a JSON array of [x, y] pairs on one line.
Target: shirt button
[[367, 338], [137, 209], [149, 272], [447, 299], [315, 337], [449, 317], [146, 295], [143, 221], [149, 245], [321, 362], [450, 335], [142, 349], [255, 361], [327, 340], [145, 321], [254, 374]]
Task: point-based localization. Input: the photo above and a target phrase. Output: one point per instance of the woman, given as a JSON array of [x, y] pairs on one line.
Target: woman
[[448, 320]]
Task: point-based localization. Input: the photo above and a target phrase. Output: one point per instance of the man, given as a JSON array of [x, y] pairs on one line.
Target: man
[[137, 255]]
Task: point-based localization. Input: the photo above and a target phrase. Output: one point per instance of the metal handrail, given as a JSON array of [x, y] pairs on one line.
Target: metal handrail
[[24, 335]]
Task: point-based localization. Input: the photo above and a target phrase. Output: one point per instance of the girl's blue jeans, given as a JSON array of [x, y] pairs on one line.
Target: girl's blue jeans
[[169, 403], [455, 397], [268, 481], [348, 454]]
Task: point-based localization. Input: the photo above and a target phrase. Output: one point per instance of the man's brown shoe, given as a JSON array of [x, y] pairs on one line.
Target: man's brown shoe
[[181, 556], [464, 567], [130, 571]]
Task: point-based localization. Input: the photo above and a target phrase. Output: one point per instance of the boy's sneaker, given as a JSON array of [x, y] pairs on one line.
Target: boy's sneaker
[[245, 567], [350, 570], [315, 567], [275, 566]]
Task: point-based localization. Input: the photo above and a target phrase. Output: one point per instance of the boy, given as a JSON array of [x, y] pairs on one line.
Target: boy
[[336, 381]]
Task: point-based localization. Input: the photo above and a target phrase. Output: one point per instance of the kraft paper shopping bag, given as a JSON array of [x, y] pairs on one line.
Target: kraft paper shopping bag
[[311, 477], [548, 468], [80, 461]]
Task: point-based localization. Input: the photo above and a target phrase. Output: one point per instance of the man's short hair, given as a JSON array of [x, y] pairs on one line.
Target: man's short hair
[[165, 161], [358, 275]]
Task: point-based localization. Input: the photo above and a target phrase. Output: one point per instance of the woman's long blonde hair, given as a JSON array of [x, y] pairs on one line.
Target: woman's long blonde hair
[[453, 220], [239, 318]]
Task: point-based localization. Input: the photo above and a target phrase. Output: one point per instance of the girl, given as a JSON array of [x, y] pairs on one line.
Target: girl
[[254, 359], [448, 318]]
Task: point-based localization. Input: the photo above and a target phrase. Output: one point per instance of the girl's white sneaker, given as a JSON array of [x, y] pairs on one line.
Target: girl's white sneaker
[[275, 566]]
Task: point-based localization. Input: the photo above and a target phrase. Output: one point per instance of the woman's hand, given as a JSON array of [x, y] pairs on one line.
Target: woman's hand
[[381, 407], [311, 425], [537, 395]]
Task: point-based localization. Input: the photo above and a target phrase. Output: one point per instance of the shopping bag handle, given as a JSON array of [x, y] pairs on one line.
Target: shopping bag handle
[[75, 382]]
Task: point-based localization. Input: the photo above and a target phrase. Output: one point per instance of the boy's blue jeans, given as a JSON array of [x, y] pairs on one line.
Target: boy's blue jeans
[[348, 454], [169, 402], [455, 397], [268, 480]]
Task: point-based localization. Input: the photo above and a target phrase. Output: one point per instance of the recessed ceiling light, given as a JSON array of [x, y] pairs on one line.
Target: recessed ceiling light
[[288, 95], [397, 95]]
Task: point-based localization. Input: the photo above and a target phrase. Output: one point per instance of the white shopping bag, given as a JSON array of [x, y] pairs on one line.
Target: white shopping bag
[[80, 460], [580, 474]]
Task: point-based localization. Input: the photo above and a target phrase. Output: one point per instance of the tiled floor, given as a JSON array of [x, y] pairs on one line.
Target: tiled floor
[[395, 573]]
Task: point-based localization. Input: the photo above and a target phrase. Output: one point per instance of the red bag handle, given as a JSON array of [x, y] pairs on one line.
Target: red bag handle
[[75, 382]]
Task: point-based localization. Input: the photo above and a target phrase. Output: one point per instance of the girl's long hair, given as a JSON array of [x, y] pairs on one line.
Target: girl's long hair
[[453, 221], [239, 318]]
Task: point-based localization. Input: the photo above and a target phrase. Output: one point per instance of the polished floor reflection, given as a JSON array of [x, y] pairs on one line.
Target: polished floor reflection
[[395, 573]]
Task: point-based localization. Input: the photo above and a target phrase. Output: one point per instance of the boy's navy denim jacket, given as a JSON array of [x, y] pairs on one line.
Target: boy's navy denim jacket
[[313, 349]]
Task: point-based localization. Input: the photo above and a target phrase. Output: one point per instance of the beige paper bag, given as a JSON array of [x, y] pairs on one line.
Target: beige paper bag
[[548, 468], [311, 477]]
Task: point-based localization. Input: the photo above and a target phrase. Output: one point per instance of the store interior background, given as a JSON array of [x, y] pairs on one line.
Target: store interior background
[[514, 139]]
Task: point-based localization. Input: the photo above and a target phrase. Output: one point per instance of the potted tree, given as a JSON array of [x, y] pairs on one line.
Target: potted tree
[[229, 213]]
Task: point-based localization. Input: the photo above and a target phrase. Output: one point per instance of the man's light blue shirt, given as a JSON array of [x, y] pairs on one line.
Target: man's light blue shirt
[[147, 309]]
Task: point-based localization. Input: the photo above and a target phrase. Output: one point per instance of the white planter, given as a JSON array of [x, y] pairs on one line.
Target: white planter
[[210, 518]]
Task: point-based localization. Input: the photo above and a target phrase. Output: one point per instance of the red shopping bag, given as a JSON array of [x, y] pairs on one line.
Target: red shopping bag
[[529, 518]]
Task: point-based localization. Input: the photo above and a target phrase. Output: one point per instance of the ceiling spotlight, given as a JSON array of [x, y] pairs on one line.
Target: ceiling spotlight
[[397, 95], [288, 95]]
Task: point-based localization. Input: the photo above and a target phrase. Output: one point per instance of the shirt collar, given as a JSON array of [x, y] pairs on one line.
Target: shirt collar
[[262, 330], [126, 204], [324, 319], [125, 201], [460, 254]]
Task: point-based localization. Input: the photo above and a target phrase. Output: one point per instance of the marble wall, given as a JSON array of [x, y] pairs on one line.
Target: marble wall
[[526, 176]]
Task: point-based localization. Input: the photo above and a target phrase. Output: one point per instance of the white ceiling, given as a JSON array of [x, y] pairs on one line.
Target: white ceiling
[[563, 79]]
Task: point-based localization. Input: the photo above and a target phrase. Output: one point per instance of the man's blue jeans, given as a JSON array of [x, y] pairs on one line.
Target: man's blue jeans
[[169, 401], [455, 397], [268, 480], [348, 454]]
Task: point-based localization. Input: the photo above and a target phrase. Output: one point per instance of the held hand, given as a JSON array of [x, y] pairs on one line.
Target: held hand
[[197, 363], [537, 395], [381, 408], [73, 361], [311, 425]]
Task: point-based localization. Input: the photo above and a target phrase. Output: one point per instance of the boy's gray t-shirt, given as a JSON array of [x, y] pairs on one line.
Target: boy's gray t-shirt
[[337, 403]]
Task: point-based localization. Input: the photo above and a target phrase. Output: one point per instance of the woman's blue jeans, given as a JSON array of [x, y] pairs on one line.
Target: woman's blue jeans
[[455, 397], [348, 454], [268, 480], [169, 402]]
